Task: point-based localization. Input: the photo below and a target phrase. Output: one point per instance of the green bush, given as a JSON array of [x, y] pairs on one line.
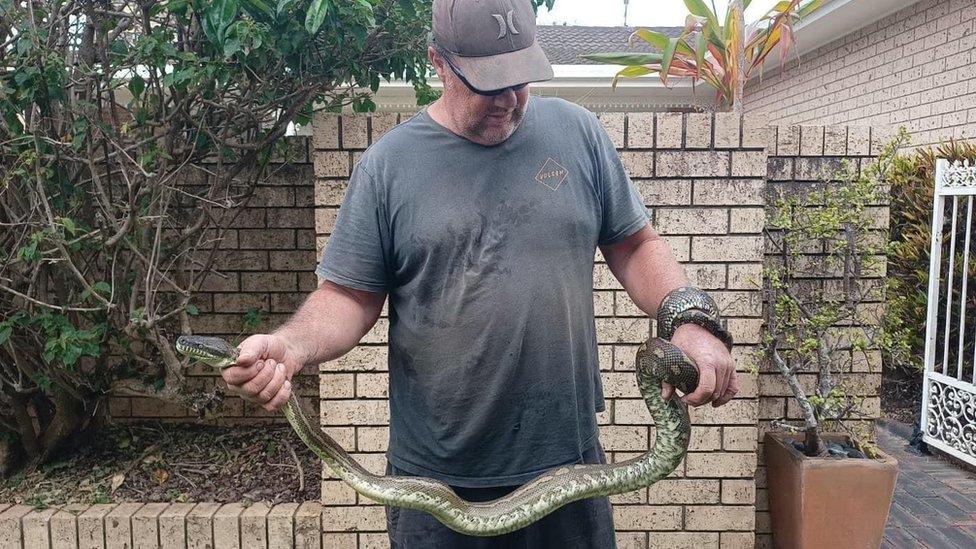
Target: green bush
[[912, 190]]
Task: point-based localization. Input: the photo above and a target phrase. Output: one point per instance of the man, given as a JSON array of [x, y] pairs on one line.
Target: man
[[479, 217]]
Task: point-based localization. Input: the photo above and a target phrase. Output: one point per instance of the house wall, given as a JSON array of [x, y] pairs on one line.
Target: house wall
[[914, 68]]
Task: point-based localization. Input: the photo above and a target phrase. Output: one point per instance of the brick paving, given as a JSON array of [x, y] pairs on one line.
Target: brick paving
[[935, 501]]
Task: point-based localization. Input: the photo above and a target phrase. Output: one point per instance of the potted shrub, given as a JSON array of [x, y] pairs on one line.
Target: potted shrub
[[828, 485]]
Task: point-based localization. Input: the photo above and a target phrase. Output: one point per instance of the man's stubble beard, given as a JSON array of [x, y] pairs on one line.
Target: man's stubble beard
[[494, 135]]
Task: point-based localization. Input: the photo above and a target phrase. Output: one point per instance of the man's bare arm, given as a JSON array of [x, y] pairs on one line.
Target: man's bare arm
[[645, 266], [329, 323]]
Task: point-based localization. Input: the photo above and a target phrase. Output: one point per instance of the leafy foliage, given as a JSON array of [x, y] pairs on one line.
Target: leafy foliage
[[130, 134], [822, 300], [912, 191], [721, 53]]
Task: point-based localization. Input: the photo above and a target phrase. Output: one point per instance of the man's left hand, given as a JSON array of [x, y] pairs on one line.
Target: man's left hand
[[717, 382]]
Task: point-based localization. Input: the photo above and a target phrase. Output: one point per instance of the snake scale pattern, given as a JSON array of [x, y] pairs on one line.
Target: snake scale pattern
[[657, 362]]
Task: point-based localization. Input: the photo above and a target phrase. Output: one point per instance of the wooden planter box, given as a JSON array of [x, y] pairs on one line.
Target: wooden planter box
[[826, 502]]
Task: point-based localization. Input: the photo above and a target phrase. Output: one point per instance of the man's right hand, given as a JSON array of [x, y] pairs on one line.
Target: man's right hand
[[263, 371]]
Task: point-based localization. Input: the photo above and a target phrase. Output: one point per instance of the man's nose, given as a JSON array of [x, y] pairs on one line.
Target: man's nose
[[506, 99]]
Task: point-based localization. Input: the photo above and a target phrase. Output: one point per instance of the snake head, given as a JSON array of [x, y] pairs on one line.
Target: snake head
[[659, 361], [210, 350]]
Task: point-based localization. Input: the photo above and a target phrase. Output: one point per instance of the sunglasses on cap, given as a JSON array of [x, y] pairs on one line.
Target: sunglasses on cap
[[460, 75]]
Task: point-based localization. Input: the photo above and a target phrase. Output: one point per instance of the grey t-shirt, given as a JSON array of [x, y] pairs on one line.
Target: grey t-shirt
[[487, 256]]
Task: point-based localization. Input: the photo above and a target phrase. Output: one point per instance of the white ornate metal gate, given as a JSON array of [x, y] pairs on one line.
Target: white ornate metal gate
[[949, 392]]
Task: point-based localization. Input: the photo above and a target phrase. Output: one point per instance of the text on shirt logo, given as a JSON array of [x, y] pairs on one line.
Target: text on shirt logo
[[552, 174]]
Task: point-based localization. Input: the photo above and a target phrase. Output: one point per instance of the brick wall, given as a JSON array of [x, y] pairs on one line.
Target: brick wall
[[703, 180], [264, 265], [916, 67]]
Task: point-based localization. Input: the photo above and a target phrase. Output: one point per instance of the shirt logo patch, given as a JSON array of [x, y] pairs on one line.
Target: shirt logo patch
[[552, 174]]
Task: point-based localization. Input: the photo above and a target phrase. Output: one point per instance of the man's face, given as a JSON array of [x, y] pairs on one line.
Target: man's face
[[488, 120]]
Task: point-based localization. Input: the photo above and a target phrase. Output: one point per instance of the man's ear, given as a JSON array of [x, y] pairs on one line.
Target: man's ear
[[440, 66]]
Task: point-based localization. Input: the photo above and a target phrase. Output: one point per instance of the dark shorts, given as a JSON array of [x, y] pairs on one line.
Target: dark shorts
[[586, 524]]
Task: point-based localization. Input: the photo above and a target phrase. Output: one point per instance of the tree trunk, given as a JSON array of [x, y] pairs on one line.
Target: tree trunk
[[740, 56]]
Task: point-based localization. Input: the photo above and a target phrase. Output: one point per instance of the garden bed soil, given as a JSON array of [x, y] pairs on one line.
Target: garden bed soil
[[172, 462]]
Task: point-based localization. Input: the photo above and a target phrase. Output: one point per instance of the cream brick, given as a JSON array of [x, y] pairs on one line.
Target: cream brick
[[669, 130], [835, 140], [332, 540], [354, 134], [705, 439], [613, 124], [325, 219], [726, 248], [254, 525], [788, 141], [308, 525], [647, 517], [363, 358], [739, 438], [280, 526], [624, 357], [603, 303], [631, 540], [640, 130], [620, 385], [226, 525], [746, 276], [378, 333], [727, 130], [724, 192], [858, 140], [720, 517], [36, 531], [337, 385], [199, 526], [330, 192], [736, 411], [337, 492], [746, 220], [738, 492], [374, 541], [720, 464], [638, 163], [331, 164], [625, 306], [698, 130], [684, 540], [372, 385], [357, 412], [680, 247], [811, 141], [372, 439], [630, 411], [692, 164], [738, 303], [381, 124], [10, 525], [325, 131], [603, 278], [745, 330], [664, 192], [756, 131], [683, 491], [360, 518], [739, 540], [706, 276], [617, 438], [621, 330], [691, 220], [748, 163], [64, 526], [172, 525]]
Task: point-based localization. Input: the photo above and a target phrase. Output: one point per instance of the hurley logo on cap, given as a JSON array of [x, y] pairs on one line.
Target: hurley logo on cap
[[502, 28]]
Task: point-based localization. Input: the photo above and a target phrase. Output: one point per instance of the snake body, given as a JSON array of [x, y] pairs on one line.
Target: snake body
[[657, 362]]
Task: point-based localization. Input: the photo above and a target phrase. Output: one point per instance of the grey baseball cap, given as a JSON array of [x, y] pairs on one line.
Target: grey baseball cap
[[492, 42]]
